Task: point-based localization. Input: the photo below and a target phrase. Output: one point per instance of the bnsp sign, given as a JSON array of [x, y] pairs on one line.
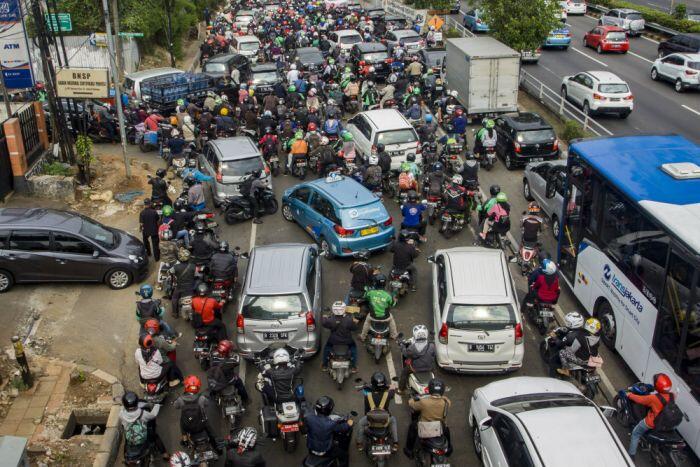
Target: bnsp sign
[[82, 83]]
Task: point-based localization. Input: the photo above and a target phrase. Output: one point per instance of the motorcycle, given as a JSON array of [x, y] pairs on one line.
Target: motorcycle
[[202, 347], [540, 314], [665, 448], [202, 453], [299, 165], [434, 206], [398, 282], [378, 436], [451, 223], [339, 364], [377, 341], [417, 383], [489, 158], [229, 401], [238, 208], [528, 257], [156, 389], [341, 440], [390, 184]]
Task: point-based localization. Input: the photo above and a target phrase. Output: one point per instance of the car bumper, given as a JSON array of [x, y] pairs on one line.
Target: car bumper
[[248, 351], [615, 47], [576, 10], [557, 42], [523, 160], [348, 246], [611, 108], [687, 85], [444, 362]]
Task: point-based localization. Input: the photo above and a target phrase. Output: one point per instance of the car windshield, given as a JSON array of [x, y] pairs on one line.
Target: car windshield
[[397, 137], [634, 16], [694, 16], [619, 88], [363, 215], [265, 77], [536, 136], [353, 39], [311, 57], [248, 46], [484, 317], [694, 65], [98, 233], [526, 402], [273, 306], [375, 56], [241, 167], [617, 36], [215, 68]]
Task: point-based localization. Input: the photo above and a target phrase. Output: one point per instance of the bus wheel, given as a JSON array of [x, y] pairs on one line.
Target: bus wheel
[[607, 323]]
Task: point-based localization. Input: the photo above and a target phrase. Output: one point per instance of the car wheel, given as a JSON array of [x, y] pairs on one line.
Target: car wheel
[[678, 86], [599, 49], [585, 43], [654, 74], [526, 191], [563, 93], [6, 281], [555, 226], [625, 114], [326, 248], [287, 213], [508, 161], [118, 279], [608, 327], [476, 438], [587, 108]]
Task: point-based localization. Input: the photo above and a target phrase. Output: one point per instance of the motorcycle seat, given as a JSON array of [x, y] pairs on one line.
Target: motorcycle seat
[[356, 294], [664, 437], [423, 376], [229, 390], [377, 432], [341, 350], [439, 442], [529, 245]]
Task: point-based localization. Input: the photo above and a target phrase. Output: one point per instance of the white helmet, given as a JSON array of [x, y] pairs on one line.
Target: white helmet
[[371, 83], [246, 438], [324, 141], [573, 320], [293, 66], [549, 267], [312, 92], [373, 160], [420, 332], [280, 356], [224, 97], [454, 93], [338, 308], [592, 326], [175, 132], [180, 459], [188, 119], [457, 179]]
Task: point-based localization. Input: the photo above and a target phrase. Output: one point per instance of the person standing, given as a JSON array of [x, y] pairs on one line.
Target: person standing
[[148, 224]]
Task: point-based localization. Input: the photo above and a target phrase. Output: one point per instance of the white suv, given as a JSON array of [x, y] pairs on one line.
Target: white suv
[[598, 92], [630, 20], [683, 70]]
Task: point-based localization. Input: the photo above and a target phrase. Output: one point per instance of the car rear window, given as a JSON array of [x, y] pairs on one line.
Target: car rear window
[[634, 16], [694, 65], [215, 68], [536, 136], [248, 46], [617, 36], [363, 215], [618, 88], [397, 136], [481, 317], [265, 77], [350, 39], [409, 39], [273, 306], [240, 167], [375, 56]]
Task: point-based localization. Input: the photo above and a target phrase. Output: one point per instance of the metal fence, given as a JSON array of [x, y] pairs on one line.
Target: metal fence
[[30, 132], [451, 23]]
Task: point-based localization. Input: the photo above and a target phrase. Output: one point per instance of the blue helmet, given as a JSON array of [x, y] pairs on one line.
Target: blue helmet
[[428, 118], [549, 267], [146, 291]]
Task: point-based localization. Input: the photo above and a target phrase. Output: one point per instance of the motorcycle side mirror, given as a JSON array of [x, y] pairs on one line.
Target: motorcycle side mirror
[[485, 423], [430, 259], [96, 254], [512, 259], [321, 253], [608, 411], [353, 413]]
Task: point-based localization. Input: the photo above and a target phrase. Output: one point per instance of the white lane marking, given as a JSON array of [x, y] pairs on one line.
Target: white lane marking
[[592, 17], [640, 57], [588, 56], [692, 110], [649, 39], [392, 374], [243, 365], [253, 231]]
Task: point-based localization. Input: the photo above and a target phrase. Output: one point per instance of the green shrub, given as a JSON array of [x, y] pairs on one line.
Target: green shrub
[[572, 130], [56, 168], [680, 11], [451, 32], [654, 16]]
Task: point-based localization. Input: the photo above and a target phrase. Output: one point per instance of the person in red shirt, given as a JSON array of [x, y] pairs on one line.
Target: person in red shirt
[[207, 313], [152, 121], [662, 384]]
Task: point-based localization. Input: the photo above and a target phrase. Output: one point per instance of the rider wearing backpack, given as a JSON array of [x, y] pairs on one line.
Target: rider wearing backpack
[[193, 408], [663, 414], [139, 424]]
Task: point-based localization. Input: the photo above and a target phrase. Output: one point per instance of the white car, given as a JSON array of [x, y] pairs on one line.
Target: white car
[[476, 316], [598, 92], [243, 18], [683, 70], [542, 422], [562, 15], [630, 20], [389, 127], [575, 7], [344, 39]]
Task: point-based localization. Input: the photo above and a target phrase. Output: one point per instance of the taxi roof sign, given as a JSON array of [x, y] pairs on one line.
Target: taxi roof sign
[[333, 177]]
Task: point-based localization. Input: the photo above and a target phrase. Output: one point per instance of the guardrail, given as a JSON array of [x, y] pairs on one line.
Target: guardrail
[[451, 23], [651, 26], [557, 104]]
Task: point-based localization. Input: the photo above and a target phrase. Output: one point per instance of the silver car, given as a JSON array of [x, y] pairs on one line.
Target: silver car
[[544, 182], [407, 38], [630, 20], [228, 161], [280, 301]]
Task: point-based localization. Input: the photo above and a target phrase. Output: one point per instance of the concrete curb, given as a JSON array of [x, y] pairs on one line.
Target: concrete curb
[[111, 439]]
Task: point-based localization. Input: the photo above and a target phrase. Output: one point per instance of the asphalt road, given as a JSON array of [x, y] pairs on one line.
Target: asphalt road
[[668, 5]]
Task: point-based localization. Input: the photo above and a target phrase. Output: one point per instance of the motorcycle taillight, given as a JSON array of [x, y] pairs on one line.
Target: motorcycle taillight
[[440, 452], [151, 388]]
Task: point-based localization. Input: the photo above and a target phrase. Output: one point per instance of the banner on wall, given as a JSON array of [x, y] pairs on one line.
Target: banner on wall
[[14, 48]]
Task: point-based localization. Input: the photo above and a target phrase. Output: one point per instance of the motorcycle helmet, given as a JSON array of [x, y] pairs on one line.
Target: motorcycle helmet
[[244, 86], [662, 383], [192, 384], [411, 157], [490, 124], [224, 348], [437, 167], [190, 180], [292, 88], [246, 438], [373, 160], [533, 208], [311, 127], [223, 246], [459, 112], [293, 66], [428, 118], [299, 134], [347, 136], [324, 141], [549, 267], [146, 341], [338, 308], [362, 255], [151, 326], [256, 173], [324, 406], [420, 332], [573, 320], [433, 147], [280, 356], [202, 290], [146, 291], [167, 210], [412, 196], [179, 205], [416, 91], [457, 179], [199, 227], [380, 147], [494, 190], [130, 401], [501, 198], [192, 163], [161, 173], [224, 111], [379, 281], [379, 381], [436, 387], [592, 325], [370, 83], [454, 93], [405, 167]]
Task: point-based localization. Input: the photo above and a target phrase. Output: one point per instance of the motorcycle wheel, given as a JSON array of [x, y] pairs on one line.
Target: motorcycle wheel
[[340, 378], [622, 414], [272, 206], [143, 147], [590, 391], [378, 352], [275, 170], [389, 190], [302, 173], [234, 214], [290, 442], [204, 364]]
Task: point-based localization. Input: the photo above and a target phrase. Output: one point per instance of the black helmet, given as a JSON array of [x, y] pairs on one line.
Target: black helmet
[[199, 227], [436, 386], [324, 405], [130, 400], [190, 180], [361, 254], [161, 173], [179, 205], [437, 167], [379, 381], [380, 147], [256, 173], [494, 190], [223, 246], [202, 289], [379, 281], [412, 195], [433, 146], [411, 157], [404, 235]]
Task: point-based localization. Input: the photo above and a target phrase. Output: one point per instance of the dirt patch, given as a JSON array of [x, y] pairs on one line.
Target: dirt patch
[[86, 389], [10, 383], [77, 451]]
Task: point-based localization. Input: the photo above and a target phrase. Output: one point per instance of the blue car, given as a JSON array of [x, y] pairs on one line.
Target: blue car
[[340, 214], [473, 22], [558, 38]]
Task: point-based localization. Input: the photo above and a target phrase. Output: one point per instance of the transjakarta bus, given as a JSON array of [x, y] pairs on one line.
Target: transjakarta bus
[[630, 250]]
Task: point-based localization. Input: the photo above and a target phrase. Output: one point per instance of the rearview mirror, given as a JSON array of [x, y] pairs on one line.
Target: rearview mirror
[[430, 259], [245, 255], [608, 411], [485, 423]]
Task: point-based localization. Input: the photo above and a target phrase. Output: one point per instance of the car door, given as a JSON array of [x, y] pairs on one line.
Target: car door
[[575, 88], [554, 191], [322, 218], [503, 138], [669, 67], [29, 256], [362, 134], [493, 454], [299, 204], [593, 38], [538, 182], [77, 258]]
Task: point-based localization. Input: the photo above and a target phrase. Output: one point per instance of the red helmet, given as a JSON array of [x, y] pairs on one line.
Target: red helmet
[[39, 85], [312, 126], [146, 341], [224, 348], [662, 383], [459, 112], [151, 326], [192, 384]]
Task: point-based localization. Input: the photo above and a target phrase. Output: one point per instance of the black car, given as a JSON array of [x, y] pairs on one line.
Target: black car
[[310, 59], [525, 137], [221, 66], [390, 22], [264, 77], [376, 13], [372, 53], [682, 43], [48, 245], [432, 58]]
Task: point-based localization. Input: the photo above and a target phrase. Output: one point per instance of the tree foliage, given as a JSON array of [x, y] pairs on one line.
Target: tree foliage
[[521, 24]]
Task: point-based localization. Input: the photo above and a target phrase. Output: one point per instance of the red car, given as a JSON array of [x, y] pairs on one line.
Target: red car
[[607, 39]]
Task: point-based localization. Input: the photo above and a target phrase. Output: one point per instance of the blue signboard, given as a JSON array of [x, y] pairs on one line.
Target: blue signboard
[[14, 49]]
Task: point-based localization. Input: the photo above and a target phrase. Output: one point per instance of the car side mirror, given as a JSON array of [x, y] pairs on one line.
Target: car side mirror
[[608, 411], [430, 259], [96, 254], [485, 423], [245, 255]]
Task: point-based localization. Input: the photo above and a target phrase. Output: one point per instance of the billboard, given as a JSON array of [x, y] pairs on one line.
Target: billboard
[[82, 83], [14, 52]]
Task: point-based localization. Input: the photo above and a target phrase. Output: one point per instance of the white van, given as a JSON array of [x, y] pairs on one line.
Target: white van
[[344, 39], [248, 46], [476, 316], [132, 81]]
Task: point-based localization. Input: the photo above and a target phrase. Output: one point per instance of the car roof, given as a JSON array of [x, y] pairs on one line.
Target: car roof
[[610, 28], [245, 13], [264, 67], [526, 121], [605, 77], [627, 10], [346, 192], [523, 385], [307, 50], [405, 33], [691, 57], [248, 38], [39, 218], [394, 18], [221, 58], [235, 148], [371, 47], [347, 32], [387, 119], [277, 269], [153, 72], [478, 275]]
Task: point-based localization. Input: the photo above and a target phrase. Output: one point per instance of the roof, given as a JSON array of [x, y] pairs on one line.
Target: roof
[[276, 269], [627, 10], [245, 13], [523, 385], [405, 33], [308, 50], [263, 67], [247, 38], [634, 164], [605, 77], [526, 121], [371, 47], [145, 74], [39, 217], [236, 147], [346, 192], [347, 32], [483, 46], [478, 275], [387, 119]]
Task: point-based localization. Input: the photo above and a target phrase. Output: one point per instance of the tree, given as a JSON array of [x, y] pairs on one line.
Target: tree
[[521, 24]]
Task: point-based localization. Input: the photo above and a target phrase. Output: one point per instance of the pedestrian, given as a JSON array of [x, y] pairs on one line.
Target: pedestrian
[[149, 221]]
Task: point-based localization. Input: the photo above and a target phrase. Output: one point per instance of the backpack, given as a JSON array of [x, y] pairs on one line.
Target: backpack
[[405, 181], [192, 418], [373, 175], [246, 186], [270, 147], [136, 433], [148, 309], [670, 416], [162, 228]]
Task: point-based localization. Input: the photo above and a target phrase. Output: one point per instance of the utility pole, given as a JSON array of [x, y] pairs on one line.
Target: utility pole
[[118, 38], [117, 85], [168, 8], [5, 94]]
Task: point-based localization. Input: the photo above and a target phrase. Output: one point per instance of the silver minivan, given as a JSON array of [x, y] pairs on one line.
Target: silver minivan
[[476, 316], [229, 161], [280, 301], [133, 81]]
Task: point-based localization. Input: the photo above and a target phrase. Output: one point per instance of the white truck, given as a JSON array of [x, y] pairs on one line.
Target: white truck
[[485, 73]]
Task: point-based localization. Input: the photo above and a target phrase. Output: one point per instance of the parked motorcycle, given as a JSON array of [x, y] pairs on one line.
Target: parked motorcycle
[[239, 209]]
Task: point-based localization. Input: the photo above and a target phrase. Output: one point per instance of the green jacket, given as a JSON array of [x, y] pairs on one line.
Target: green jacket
[[489, 204], [380, 301]]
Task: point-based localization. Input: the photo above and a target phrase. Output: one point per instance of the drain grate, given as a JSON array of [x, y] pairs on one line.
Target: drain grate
[[85, 422]]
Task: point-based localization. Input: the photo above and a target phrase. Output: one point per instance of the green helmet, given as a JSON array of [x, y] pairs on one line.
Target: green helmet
[[416, 91], [430, 71], [218, 101], [501, 198], [490, 124], [180, 102], [299, 134], [331, 61], [347, 136], [451, 140], [167, 210], [292, 88], [405, 167]]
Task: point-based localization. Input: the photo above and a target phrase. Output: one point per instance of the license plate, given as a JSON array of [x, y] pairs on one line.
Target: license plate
[[200, 350], [275, 335], [559, 36], [232, 410], [381, 449], [537, 159], [594, 379], [274, 159], [301, 164], [615, 46], [340, 364], [445, 218], [481, 347], [369, 231], [292, 427], [546, 313], [438, 88], [439, 465], [352, 309], [378, 341]]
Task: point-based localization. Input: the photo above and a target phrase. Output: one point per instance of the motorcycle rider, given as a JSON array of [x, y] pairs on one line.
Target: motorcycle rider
[[256, 184], [497, 217], [412, 213], [380, 302], [531, 224], [279, 378], [183, 272], [168, 255], [298, 150], [454, 195], [405, 252], [362, 273], [207, 314], [134, 411], [427, 130], [373, 173], [148, 307], [430, 409], [387, 93], [195, 194], [149, 222], [242, 452], [435, 180], [151, 363], [579, 345], [653, 401], [193, 412], [414, 69], [223, 371], [459, 124], [326, 156], [544, 284], [378, 397], [384, 160], [224, 266], [418, 355], [159, 188], [321, 430], [203, 243], [486, 137], [341, 326], [164, 343], [470, 173]]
